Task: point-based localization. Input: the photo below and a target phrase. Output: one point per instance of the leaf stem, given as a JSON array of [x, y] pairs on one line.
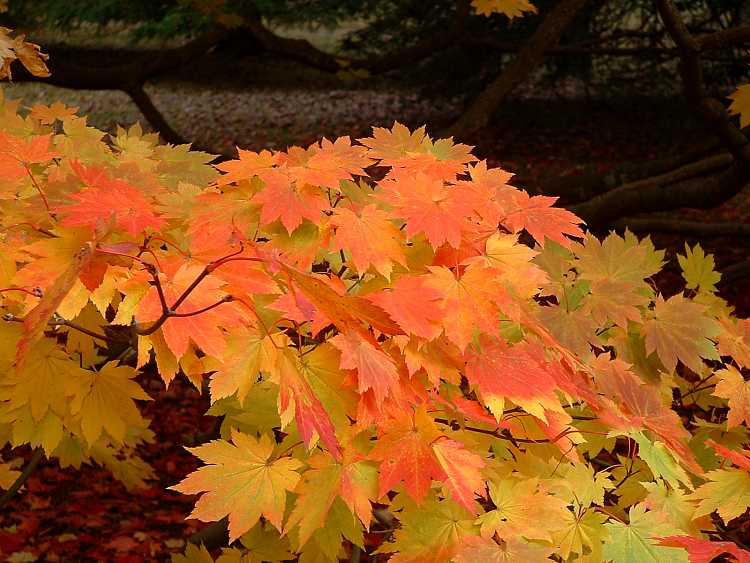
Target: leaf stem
[[39, 189]]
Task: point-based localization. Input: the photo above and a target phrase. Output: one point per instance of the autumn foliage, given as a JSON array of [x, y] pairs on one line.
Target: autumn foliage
[[386, 327]]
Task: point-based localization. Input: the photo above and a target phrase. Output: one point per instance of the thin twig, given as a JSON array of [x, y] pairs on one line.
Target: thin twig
[[23, 477]]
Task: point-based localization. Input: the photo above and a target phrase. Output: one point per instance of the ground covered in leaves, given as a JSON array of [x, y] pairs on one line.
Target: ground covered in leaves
[[71, 515]]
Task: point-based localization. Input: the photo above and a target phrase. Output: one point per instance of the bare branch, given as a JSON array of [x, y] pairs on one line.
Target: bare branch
[[545, 37]]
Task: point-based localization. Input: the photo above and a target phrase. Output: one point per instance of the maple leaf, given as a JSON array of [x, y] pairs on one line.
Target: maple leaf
[[580, 533], [431, 207], [726, 491], [740, 459], [242, 481], [680, 330], [397, 142], [106, 199], [297, 398], [17, 153], [45, 382], [616, 258], [538, 217], [741, 104], [104, 402], [217, 220], [614, 300], [639, 405], [518, 373], [346, 312], [204, 329], [476, 548], [35, 321], [733, 387], [698, 269], [734, 340], [375, 369], [56, 111], [328, 163], [638, 539], [415, 306], [470, 302], [290, 203], [660, 461], [432, 532], [705, 551], [510, 8], [523, 509], [353, 480], [29, 54], [370, 237], [462, 469], [249, 351], [405, 452], [248, 164]]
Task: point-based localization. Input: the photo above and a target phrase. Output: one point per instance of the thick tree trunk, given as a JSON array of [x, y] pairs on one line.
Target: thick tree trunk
[[529, 57]]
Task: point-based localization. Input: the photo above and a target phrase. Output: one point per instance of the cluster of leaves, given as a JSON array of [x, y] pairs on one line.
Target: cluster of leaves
[[17, 48], [376, 340]]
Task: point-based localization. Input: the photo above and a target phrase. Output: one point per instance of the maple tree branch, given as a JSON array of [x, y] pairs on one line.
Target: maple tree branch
[[692, 78], [724, 38], [529, 57], [225, 299], [503, 435], [152, 114], [23, 477], [10, 317], [91, 333], [36, 292], [168, 312], [159, 289]]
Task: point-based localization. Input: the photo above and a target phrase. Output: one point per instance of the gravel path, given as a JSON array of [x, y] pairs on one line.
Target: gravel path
[[263, 118]]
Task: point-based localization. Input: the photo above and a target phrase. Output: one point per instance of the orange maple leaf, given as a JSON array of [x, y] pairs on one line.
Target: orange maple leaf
[[35, 321], [289, 202], [431, 207], [538, 217], [371, 237], [104, 199], [518, 373], [376, 370]]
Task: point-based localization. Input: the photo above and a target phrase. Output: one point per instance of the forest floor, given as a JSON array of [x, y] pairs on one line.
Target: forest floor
[[85, 515]]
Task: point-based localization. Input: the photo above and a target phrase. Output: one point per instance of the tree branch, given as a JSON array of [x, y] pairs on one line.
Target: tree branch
[[23, 477], [154, 116], [545, 37], [692, 77], [702, 192], [688, 228], [724, 38]]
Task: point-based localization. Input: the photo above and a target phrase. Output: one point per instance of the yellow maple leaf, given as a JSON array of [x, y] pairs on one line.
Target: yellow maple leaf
[[241, 481], [104, 402], [741, 104]]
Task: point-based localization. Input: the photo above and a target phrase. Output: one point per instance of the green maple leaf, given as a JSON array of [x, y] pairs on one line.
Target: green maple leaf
[[635, 542]]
